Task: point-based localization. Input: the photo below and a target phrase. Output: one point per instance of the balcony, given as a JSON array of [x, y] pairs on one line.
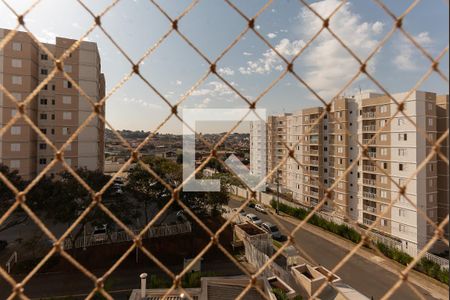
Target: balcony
[[368, 115], [372, 154], [369, 195], [314, 162], [370, 128], [367, 181], [367, 222], [314, 194], [368, 141], [369, 168], [370, 209], [313, 172], [313, 152]]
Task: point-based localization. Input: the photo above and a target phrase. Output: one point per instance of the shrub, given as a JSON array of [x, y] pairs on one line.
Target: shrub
[[432, 269], [299, 213]]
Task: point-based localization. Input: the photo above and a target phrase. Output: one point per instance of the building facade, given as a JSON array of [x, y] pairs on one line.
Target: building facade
[[365, 185], [57, 110]]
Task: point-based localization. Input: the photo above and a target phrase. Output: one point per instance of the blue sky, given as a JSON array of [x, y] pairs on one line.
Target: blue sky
[[250, 66]]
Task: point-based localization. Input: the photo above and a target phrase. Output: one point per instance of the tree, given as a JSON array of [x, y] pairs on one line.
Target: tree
[[154, 191], [69, 199], [7, 198]]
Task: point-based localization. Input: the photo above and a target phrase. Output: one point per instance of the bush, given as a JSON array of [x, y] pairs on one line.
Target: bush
[[432, 269], [394, 254], [299, 213]]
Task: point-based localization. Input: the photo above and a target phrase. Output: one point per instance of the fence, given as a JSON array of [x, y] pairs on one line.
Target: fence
[[121, 237], [325, 22], [266, 199], [11, 261]]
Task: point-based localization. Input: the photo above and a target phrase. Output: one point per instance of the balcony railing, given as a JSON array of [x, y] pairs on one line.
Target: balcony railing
[[368, 141], [369, 195], [368, 115], [370, 128], [314, 172], [372, 154], [369, 168], [370, 209], [369, 181], [314, 194], [313, 152], [367, 222]]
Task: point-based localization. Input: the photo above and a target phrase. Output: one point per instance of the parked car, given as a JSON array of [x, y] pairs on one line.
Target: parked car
[[273, 230], [251, 205], [100, 233], [252, 218], [181, 216], [260, 208]]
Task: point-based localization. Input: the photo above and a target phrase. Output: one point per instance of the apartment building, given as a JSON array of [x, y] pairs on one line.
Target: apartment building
[[364, 184], [58, 109]]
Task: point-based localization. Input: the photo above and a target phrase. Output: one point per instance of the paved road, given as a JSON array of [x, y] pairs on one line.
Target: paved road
[[362, 274]]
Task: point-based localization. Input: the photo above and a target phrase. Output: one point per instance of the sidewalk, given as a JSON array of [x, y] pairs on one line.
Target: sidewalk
[[434, 287]]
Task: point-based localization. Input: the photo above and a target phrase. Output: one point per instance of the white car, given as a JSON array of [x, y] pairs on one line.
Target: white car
[[260, 208], [253, 219]]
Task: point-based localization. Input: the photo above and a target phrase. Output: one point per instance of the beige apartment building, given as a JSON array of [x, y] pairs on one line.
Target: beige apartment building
[[58, 109], [326, 146]]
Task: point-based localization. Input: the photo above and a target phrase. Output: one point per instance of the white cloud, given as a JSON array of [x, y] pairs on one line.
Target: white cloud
[[327, 65], [204, 103], [178, 82], [142, 103], [247, 54], [270, 60], [271, 35], [406, 59], [226, 71], [215, 89]]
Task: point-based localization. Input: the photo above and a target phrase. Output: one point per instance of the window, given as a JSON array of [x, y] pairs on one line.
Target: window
[[383, 194], [16, 130], [430, 199], [65, 131], [67, 115], [68, 161], [53, 102], [53, 131], [45, 87], [382, 123], [14, 164], [384, 222], [67, 84], [43, 101], [430, 122], [18, 96], [402, 212], [383, 137], [384, 151], [43, 117], [383, 109], [42, 146], [44, 57], [69, 148], [401, 121], [431, 213], [401, 228], [44, 72], [16, 63], [15, 147], [402, 136], [53, 87], [430, 106], [68, 68], [44, 130], [402, 152], [17, 80], [430, 183], [42, 161], [17, 46], [401, 167], [384, 179], [431, 167], [383, 207], [53, 116], [67, 100], [385, 165]]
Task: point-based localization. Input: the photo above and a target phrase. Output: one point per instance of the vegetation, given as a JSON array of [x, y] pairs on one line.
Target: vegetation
[[425, 266], [153, 191], [341, 230], [281, 295]]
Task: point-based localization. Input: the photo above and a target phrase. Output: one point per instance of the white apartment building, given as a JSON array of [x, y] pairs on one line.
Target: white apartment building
[[326, 145]]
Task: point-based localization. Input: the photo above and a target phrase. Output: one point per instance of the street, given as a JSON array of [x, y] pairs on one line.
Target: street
[[360, 273]]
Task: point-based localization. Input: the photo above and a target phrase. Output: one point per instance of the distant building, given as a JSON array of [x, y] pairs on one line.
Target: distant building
[[58, 109], [328, 146]]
